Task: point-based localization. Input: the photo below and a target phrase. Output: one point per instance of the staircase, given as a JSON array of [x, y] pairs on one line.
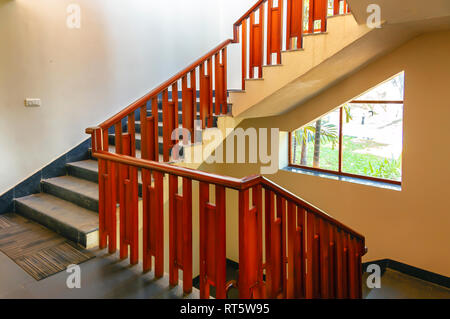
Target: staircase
[[69, 204], [130, 157]]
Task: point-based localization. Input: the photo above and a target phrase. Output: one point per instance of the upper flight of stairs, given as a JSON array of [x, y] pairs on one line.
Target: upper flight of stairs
[[68, 204]]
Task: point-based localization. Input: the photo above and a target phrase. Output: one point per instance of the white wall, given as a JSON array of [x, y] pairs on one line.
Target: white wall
[[83, 76]]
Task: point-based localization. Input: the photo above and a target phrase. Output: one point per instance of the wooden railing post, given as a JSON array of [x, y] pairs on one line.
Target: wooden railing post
[[294, 23], [250, 245], [274, 31], [180, 232], [296, 252], [244, 52], [212, 242]]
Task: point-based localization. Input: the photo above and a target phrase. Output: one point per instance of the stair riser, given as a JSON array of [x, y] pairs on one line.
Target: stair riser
[[58, 227], [70, 196], [83, 173]]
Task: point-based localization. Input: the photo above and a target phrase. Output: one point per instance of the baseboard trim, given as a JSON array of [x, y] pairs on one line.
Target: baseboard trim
[[411, 271], [32, 184]]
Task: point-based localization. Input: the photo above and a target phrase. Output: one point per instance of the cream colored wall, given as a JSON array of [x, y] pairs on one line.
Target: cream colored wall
[[411, 225], [83, 76]]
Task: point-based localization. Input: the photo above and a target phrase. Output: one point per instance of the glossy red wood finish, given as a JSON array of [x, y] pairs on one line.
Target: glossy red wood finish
[[308, 254], [294, 23]]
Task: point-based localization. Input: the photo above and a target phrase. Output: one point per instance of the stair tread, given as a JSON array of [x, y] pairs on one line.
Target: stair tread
[[90, 165], [76, 185], [82, 219]]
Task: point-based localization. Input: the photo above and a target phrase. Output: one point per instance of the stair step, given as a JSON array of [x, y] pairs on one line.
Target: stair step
[[75, 190], [87, 170], [71, 221]]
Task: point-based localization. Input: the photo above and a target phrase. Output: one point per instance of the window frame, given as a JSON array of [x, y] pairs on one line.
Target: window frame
[[340, 172]]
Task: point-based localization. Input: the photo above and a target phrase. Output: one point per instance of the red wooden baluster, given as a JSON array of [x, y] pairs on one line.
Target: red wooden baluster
[[175, 110], [269, 215], [339, 263], [118, 149], [210, 93], [274, 31], [155, 135], [278, 251], [332, 261], [132, 133], [174, 236], [158, 191], [318, 11], [102, 204], [146, 219], [180, 232], [212, 242], [194, 96], [352, 268], [244, 53], [167, 122], [203, 201], [324, 259], [296, 267], [259, 292], [129, 230], [153, 221], [188, 106], [220, 243], [118, 138], [187, 235], [150, 137], [336, 5], [313, 257], [111, 201], [218, 79], [294, 23], [361, 251], [345, 265], [250, 246], [205, 95], [224, 67], [256, 42], [144, 134]]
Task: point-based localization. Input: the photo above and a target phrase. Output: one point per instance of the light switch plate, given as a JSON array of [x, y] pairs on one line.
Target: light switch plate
[[29, 102]]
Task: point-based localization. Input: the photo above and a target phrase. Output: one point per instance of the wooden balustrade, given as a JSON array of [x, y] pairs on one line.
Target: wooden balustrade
[[160, 107], [308, 254], [253, 29]]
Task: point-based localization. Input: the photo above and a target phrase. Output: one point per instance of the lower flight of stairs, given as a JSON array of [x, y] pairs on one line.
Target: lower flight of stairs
[[68, 204]]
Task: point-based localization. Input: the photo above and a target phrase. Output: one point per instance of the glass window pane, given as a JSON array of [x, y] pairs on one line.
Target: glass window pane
[[321, 149], [373, 140], [391, 90]]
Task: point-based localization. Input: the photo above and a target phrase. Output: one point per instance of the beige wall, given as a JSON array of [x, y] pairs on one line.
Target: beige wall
[[411, 225]]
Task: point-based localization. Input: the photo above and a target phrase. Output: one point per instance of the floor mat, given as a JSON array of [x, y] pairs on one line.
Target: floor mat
[[36, 249]]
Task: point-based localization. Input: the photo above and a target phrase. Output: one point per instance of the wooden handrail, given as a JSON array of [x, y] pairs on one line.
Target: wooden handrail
[[140, 102], [249, 12], [226, 181]]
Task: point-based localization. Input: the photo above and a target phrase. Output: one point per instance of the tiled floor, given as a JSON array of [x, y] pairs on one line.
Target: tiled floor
[[396, 285], [102, 277], [107, 277]]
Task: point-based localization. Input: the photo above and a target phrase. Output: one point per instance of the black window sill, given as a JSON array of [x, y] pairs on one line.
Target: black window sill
[[337, 177]]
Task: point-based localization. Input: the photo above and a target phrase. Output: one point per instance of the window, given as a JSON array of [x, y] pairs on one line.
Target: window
[[362, 138]]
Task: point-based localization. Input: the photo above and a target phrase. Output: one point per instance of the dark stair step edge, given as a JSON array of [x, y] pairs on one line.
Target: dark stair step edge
[[78, 196], [58, 225]]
